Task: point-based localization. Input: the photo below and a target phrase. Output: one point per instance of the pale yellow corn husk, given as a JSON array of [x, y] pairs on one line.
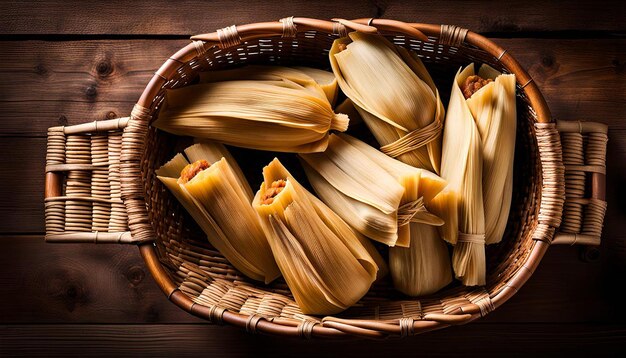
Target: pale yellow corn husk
[[424, 267], [327, 267], [219, 200], [430, 184], [445, 206], [302, 75], [343, 231], [393, 92], [324, 79], [375, 194], [461, 166], [285, 115], [494, 110]]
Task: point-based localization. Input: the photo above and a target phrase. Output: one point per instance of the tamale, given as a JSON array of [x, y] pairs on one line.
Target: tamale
[[376, 194], [424, 267], [211, 189], [461, 166], [395, 96], [494, 112], [326, 265], [284, 113]]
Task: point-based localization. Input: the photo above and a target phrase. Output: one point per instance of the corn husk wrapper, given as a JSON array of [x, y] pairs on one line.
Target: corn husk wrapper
[[494, 110], [395, 96], [376, 194], [285, 113], [326, 80], [424, 267], [219, 200], [445, 206], [461, 166], [326, 265]]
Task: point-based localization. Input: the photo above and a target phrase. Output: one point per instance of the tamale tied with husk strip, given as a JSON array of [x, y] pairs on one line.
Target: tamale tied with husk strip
[[363, 185], [395, 95], [211, 187], [494, 111], [278, 109], [461, 166], [328, 266], [374, 193]]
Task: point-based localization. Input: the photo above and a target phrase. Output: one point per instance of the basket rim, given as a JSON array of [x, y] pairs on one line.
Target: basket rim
[[335, 328]]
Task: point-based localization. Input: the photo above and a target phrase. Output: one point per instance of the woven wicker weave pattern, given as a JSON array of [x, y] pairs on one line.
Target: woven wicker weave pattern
[[584, 157], [90, 207], [198, 279]]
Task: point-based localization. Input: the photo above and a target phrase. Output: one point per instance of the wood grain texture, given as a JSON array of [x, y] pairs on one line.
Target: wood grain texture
[[65, 62], [81, 81], [191, 17], [22, 173], [519, 340], [87, 283], [63, 283]]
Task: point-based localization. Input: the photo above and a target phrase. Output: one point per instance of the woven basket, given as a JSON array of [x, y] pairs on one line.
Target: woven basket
[[101, 186]]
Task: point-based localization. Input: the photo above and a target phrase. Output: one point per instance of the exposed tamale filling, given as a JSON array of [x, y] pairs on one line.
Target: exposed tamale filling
[[271, 192], [472, 84], [191, 170]]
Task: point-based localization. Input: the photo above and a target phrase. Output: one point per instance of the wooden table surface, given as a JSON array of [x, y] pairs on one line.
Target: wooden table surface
[[63, 63]]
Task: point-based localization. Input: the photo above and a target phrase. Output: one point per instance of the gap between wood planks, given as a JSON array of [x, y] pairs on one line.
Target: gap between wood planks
[[207, 340], [551, 35], [154, 17]]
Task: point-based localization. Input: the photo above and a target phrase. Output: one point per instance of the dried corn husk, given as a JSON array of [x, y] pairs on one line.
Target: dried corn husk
[[461, 166], [493, 109], [424, 267], [326, 80], [327, 267], [285, 113], [395, 96], [212, 197], [445, 205], [429, 184], [376, 194]]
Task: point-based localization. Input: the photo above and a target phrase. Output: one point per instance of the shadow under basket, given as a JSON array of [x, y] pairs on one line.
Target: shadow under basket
[[101, 186]]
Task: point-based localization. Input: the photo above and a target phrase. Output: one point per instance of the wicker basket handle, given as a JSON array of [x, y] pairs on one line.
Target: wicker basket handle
[[584, 156], [83, 201]]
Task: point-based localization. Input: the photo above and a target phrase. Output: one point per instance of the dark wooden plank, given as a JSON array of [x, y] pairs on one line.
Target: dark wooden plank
[[61, 283], [580, 79], [74, 82], [190, 17], [86, 283], [22, 164], [80, 81], [214, 341], [81, 71]]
